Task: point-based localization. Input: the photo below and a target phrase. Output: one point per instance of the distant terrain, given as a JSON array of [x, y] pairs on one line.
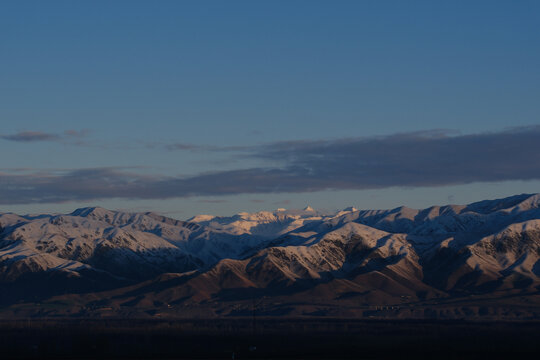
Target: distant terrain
[[476, 261]]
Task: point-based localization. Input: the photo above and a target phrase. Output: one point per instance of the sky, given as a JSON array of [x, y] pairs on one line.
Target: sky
[[190, 107]]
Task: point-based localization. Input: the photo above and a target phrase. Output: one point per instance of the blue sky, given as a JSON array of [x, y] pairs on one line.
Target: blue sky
[[143, 95]]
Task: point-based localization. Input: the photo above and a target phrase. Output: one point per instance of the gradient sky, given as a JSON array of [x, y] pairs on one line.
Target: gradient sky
[[187, 107]]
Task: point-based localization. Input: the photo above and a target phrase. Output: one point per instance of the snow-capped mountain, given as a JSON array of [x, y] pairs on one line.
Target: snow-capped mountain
[[263, 224], [134, 246], [352, 258]]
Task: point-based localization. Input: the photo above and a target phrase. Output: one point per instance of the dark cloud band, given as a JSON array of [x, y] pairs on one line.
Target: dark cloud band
[[412, 160], [31, 136], [39, 136]]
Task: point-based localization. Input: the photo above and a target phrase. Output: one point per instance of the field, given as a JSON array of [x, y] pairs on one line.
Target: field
[[258, 338]]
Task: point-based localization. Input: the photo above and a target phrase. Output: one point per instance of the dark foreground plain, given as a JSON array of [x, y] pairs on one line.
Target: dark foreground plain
[[257, 338]]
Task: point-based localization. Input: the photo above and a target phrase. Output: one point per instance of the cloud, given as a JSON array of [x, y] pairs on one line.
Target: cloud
[[435, 158], [415, 159], [76, 133], [39, 136], [31, 136], [200, 148], [213, 201], [185, 146]]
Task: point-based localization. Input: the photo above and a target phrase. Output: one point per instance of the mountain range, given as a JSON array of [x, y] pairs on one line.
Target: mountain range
[[479, 260]]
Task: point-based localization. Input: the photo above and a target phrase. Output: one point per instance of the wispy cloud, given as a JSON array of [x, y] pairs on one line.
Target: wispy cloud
[[68, 136], [31, 136], [410, 160], [179, 146], [185, 146], [76, 133], [213, 201]]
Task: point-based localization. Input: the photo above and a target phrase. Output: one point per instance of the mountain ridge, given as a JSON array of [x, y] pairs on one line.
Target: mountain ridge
[[301, 260]]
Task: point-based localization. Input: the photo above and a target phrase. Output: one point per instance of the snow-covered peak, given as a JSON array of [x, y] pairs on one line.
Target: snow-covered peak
[[201, 218], [94, 211], [525, 201], [348, 210], [531, 202], [264, 224]]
